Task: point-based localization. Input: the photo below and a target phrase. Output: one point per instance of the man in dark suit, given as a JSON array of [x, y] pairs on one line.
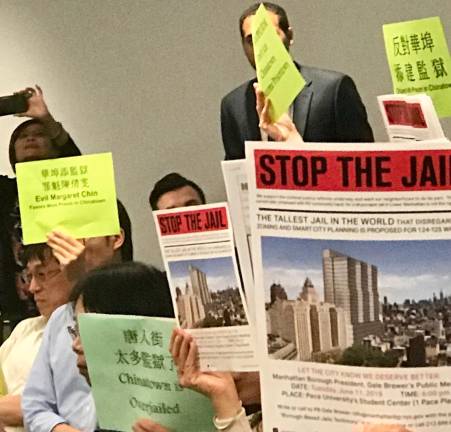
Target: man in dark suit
[[328, 109]]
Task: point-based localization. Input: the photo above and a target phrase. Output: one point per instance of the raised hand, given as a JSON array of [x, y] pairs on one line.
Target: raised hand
[[37, 108], [283, 129], [218, 386], [70, 253]]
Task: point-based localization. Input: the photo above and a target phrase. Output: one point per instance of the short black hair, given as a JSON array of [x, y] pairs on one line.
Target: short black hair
[[15, 135], [38, 251], [126, 225], [130, 288], [169, 183], [272, 7]]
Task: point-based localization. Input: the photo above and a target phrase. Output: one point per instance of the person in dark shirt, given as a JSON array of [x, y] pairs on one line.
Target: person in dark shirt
[[40, 137]]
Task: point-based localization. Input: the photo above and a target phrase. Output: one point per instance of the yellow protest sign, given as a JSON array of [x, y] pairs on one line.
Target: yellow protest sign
[[419, 60], [75, 194], [277, 75], [3, 388]]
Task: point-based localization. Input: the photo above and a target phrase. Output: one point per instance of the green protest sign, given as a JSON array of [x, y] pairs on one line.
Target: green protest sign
[[74, 194], [419, 60], [277, 75], [133, 375]]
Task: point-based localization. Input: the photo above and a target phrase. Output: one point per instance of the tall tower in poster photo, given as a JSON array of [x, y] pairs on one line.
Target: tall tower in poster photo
[[189, 306], [305, 328], [352, 285], [199, 284], [193, 302]]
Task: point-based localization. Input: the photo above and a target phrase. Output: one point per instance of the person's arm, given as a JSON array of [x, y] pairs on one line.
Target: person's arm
[[37, 109], [10, 410], [350, 114], [39, 404], [218, 386]]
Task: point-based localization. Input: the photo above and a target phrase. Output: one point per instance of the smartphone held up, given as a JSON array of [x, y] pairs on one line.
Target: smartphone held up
[[14, 104]]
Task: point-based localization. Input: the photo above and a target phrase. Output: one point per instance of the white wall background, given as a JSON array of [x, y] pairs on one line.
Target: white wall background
[[144, 78]]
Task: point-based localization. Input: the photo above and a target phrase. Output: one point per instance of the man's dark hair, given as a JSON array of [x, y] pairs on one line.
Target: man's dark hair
[[272, 7], [126, 224], [169, 183], [128, 288], [64, 151], [39, 251]]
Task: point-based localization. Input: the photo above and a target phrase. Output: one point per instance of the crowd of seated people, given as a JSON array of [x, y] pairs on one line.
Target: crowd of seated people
[[44, 380], [47, 389], [44, 375]]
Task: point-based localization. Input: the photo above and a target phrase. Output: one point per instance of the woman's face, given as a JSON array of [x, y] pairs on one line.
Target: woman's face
[[77, 347], [33, 143]]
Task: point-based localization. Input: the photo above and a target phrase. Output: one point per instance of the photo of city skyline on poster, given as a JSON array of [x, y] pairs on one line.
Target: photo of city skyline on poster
[[207, 293], [359, 303]]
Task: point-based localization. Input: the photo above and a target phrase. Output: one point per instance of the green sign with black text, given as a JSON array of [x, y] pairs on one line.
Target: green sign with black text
[[133, 375]]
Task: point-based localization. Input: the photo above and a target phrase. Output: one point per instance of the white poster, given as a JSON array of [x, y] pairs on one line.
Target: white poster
[[199, 256], [410, 118], [352, 249], [235, 179]]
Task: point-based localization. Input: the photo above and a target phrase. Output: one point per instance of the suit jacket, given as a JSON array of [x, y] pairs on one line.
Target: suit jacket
[[328, 109]]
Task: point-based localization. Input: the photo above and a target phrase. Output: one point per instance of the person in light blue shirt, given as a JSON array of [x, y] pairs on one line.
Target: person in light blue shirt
[[56, 397]]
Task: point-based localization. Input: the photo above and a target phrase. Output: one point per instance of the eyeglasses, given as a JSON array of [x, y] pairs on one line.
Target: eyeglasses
[[73, 331], [41, 276]]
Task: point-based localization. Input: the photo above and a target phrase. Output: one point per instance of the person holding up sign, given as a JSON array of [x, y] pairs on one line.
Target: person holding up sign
[[328, 108], [227, 391], [128, 288], [103, 291], [56, 398], [283, 129], [40, 137]]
